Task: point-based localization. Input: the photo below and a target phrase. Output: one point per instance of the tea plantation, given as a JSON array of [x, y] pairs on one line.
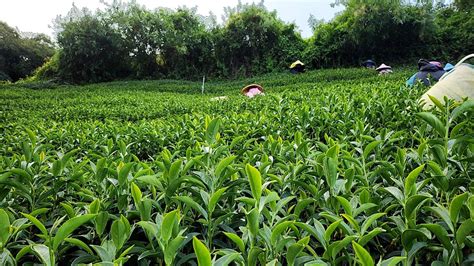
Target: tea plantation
[[331, 167]]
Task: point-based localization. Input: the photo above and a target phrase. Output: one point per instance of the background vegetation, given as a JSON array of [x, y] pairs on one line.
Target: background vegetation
[[129, 41], [21, 55]]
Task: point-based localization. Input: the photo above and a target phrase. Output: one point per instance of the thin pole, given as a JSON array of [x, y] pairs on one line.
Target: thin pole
[[203, 80]]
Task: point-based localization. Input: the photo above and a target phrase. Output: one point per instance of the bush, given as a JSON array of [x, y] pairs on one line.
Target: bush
[[91, 51], [4, 77], [255, 41], [49, 70]]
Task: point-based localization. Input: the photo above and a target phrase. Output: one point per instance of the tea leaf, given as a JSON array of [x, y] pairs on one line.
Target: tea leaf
[[202, 253]]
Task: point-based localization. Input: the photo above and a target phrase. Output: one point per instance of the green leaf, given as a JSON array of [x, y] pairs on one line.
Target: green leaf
[[330, 171], [193, 204], [362, 255], [331, 228], [293, 252], [120, 232], [212, 130], [409, 236], [471, 206], [68, 227], [434, 122], [393, 261], [174, 170], [253, 256], [367, 237], [437, 103], [43, 254], [316, 263], [37, 223], [4, 228], [278, 230], [466, 106], [169, 221], [464, 230], [337, 246], [271, 197], [221, 166], [345, 205], [363, 208], [202, 253], [25, 250], [94, 207], [149, 227], [68, 156], [101, 222], [227, 259], [369, 221], [255, 181], [32, 136], [123, 173], [352, 221], [136, 194], [413, 203], [124, 253], [456, 205], [333, 152], [301, 205], [106, 252], [237, 240], [371, 147], [39, 212], [440, 233], [172, 249], [317, 231], [410, 181], [21, 173], [152, 180], [80, 244], [215, 198], [253, 221], [443, 214], [396, 193]]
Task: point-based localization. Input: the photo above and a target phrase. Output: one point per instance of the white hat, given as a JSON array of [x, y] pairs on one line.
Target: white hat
[[383, 66]]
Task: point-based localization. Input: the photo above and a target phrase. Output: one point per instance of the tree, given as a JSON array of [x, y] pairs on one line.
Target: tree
[[455, 37], [20, 56], [254, 40], [188, 46], [91, 51], [385, 30]]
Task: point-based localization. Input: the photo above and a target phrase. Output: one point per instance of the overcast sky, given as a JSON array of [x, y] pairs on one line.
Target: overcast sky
[[36, 15]]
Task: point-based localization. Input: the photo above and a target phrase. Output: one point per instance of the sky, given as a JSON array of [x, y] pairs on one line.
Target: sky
[[37, 15]]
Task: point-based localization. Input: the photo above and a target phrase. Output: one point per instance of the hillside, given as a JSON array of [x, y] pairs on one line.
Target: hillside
[[331, 167]]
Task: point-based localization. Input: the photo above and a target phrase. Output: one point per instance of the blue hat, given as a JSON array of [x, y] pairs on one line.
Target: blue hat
[[448, 67]]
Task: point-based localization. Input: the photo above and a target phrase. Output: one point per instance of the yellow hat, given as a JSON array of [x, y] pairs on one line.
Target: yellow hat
[[297, 62]]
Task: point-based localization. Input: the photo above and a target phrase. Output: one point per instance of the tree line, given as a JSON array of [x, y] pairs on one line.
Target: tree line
[[128, 41]]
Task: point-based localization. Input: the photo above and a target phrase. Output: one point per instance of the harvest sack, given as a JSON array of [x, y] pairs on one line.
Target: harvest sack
[[455, 84]]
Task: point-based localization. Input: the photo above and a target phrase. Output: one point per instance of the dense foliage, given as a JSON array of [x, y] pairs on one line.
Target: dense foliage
[[21, 55], [334, 167], [180, 43]]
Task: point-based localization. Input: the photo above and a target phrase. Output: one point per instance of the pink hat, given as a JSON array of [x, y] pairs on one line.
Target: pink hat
[[252, 90], [436, 63]]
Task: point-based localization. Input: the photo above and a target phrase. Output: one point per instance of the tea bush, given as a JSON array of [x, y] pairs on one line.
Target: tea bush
[[333, 167]]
